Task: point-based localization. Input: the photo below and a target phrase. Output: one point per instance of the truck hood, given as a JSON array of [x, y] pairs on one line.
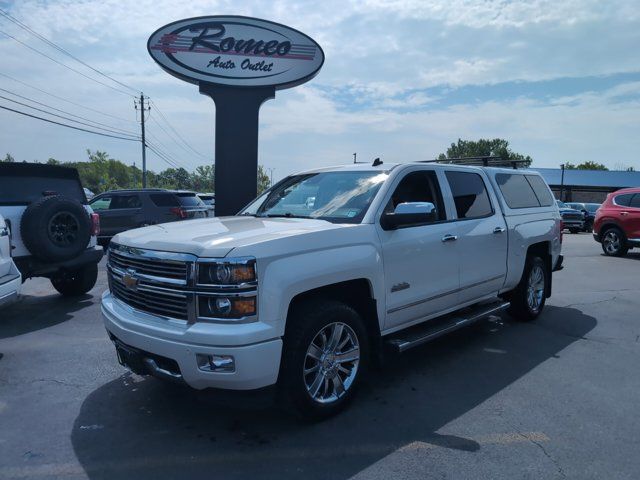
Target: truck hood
[[216, 237]]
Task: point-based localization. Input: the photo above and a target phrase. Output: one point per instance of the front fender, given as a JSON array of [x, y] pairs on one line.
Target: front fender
[[284, 278]]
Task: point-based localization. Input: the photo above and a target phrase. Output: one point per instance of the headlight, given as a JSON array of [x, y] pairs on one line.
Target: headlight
[[227, 272], [226, 307]]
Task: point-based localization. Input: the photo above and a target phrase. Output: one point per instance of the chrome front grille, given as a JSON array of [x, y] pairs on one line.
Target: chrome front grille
[[147, 298], [152, 282], [163, 268]]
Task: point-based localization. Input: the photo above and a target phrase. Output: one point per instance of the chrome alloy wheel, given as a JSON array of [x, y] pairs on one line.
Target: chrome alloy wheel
[[535, 288], [331, 362], [611, 242]]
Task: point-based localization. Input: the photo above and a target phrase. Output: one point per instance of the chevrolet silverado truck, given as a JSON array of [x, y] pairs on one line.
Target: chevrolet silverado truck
[[326, 271]]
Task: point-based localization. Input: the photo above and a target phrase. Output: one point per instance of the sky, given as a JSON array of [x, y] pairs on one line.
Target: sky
[[402, 80]]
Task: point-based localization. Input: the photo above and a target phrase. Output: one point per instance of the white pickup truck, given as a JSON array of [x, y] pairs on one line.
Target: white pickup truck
[[326, 271]]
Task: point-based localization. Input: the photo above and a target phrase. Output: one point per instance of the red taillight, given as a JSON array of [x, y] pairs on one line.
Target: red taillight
[[179, 212], [95, 224]]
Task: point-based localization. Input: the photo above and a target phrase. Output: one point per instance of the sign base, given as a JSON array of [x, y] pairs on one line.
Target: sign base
[[236, 153]]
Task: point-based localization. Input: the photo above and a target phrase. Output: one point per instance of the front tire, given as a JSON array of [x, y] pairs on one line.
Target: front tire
[[79, 282], [574, 230], [528, 298], [613, 243], [325, 356]]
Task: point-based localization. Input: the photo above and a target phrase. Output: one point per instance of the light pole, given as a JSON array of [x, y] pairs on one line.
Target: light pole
[[562, 183], [271, 176]]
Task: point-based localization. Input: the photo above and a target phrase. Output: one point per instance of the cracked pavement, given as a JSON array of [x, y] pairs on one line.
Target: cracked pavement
[[553, 399]]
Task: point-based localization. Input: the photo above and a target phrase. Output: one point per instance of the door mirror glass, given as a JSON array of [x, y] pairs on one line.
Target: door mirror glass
[[409, 214]]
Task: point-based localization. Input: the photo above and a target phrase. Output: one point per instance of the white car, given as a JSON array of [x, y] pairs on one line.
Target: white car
[[10, 278], [327, 271], [53, 230]]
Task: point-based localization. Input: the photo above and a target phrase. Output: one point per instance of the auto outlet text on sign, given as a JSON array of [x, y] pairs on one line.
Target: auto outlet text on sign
[[236, 51]]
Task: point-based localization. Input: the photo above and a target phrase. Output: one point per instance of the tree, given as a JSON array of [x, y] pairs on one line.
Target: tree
[[8, 158], [53, 161], [496, 147], [588, 165], [263, 180]]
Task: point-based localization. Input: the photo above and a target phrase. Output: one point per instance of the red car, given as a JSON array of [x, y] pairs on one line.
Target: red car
[[617, 222]]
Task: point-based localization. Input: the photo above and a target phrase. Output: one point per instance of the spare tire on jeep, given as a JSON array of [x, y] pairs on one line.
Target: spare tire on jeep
[[55, 228]]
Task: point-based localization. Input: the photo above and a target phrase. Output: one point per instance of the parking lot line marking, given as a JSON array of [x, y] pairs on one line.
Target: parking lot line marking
[[75, 469]]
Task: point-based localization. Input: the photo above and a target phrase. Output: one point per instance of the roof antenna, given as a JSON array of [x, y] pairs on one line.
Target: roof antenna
[[377, 162]]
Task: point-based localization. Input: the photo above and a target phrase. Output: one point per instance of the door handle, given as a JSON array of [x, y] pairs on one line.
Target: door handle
[[449, 238], [499, 230], [624, 213]]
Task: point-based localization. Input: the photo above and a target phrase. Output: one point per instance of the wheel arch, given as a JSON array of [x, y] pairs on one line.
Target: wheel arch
[[357, 293]]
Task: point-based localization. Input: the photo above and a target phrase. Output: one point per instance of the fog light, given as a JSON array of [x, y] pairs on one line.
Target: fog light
[[216, 363], [221, 305]]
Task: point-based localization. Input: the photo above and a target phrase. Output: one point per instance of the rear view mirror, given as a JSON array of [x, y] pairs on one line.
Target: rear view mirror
[[409, 213]]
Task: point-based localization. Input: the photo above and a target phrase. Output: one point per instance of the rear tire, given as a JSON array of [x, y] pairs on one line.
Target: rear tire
[[613, 242], [529, 297], [317, 377], [574, 230], [79, 282]]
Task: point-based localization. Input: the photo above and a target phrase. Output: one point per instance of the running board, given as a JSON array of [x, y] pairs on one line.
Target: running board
[[432, 329]]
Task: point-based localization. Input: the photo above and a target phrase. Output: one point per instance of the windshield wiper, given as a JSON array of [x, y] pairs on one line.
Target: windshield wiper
[[282, 215]]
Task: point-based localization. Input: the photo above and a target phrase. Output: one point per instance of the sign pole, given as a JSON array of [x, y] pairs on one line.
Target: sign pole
[[236, 160]]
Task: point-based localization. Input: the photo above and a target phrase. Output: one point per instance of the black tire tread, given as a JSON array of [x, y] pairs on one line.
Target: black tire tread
[[304, 321], [72, 284], [518, 297]]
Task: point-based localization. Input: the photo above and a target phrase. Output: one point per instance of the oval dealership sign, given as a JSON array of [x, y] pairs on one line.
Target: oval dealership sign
[[236, 51]]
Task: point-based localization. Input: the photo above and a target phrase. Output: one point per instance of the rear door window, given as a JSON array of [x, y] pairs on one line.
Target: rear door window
[[635, 201], [101, 203], [125, 201], [164, 199], [623, 200], [470, 194]]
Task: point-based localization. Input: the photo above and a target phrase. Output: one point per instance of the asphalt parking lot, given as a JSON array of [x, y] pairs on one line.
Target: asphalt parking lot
[[558, 398]]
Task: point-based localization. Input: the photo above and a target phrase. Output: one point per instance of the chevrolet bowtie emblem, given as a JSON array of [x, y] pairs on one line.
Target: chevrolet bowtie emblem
[[130, 280]]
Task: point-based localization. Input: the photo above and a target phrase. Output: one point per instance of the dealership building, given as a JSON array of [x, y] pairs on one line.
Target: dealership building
[[587, 185]]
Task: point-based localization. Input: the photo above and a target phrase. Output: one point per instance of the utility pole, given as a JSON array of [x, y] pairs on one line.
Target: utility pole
[[143, 108], [271, 176], [562, 183], [354, 157]]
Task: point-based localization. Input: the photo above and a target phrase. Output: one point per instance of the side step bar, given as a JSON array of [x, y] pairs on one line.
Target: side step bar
[[432, 329]]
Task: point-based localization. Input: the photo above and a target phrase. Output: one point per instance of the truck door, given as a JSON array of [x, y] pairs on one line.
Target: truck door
[[482, 242], [420, 261]]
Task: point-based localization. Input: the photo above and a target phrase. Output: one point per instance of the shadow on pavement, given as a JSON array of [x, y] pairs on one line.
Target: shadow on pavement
[[132, 428], [31, 313]]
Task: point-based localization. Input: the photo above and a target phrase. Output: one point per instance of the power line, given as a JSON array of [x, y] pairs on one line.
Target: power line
[[162, 156], [162, 144], [65, 125], [176, 132], [64, 64], [53, 95], [175, 162], [110, 127], [60, 49], [66, 118]]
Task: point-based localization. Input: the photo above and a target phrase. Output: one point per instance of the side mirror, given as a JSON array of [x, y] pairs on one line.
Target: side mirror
[[409, 213]]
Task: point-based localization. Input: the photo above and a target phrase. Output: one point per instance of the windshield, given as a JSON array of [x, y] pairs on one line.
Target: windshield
[[341, 197], [592, 207], [561, 204]]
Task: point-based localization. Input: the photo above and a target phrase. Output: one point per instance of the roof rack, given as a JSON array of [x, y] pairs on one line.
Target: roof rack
[[489, 161]]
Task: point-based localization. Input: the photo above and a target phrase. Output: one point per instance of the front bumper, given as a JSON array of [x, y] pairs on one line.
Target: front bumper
[[158, 341]]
